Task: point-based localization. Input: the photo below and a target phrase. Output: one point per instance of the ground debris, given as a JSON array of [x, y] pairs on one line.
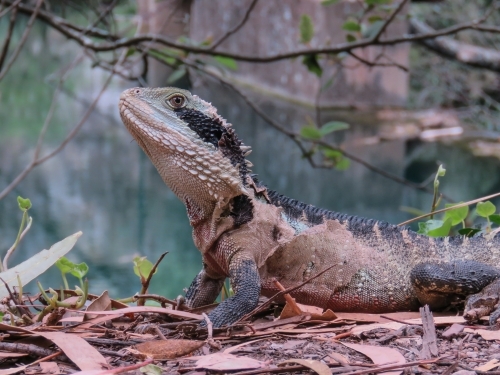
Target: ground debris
[[127, 338]]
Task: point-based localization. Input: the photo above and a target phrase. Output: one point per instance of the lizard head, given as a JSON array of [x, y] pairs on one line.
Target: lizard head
[[196, 152]]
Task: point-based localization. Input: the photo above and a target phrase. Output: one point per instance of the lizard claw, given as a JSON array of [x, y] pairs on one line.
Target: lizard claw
[[486, 302]]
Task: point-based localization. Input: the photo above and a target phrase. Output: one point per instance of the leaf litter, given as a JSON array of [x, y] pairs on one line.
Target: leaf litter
[[108, 337]]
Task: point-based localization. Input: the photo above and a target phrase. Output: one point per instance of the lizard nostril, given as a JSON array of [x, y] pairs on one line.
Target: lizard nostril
[[137, 91]]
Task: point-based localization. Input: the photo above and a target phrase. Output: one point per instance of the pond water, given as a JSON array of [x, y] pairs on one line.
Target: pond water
[[103, 185]]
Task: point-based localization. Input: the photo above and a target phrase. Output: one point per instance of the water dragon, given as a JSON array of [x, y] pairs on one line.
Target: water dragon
[[254, 235]]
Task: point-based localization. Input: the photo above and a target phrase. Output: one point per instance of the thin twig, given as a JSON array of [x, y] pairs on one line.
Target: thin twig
[[464, 204], [145, 286], [389, 19], [6, 43], [15, 245], [281, 293], [234, 29], [23, 39], [69, 31]]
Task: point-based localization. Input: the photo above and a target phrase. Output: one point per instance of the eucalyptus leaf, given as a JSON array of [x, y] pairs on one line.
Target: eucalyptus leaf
[[312, 64], [177, 74], [37, 264], [310, 132], [306, 28], [333, 126], [228, 62], [351, 25]]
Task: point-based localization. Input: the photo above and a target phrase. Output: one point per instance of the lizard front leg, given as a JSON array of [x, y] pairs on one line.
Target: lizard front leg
[[245, 281], [204, 289]]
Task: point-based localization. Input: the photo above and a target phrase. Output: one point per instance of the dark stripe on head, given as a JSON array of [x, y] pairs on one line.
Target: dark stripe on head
[[211, 130]]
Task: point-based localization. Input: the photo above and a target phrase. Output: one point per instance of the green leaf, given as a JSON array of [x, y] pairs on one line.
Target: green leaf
[[371, 30], [177, 74], [24, 203], [456, 215], [332, 154], [333, 126], [329, 2], [441, 171], [350, 38], [342, 164], [65, 265], [228, 62], [311, 62], [142, 267], [80, 270], [495, 219], [306, 28], [373, 19], [469, 232], [435, 228], [310, 132], [352, 26], [485, 209]]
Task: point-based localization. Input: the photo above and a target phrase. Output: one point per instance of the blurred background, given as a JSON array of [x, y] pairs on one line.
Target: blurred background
[[403, 86]]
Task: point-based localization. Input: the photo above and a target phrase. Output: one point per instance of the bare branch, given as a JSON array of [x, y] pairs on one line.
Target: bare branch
[[6, 43], [26, 32], [389, 19], [37, 161], [234, 29], [69, 31], [11, 6], [468, 54], [375, 63]]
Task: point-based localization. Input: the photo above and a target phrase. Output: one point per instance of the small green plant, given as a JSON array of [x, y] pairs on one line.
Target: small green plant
[[26, 221], [77, 270], [456, 217]]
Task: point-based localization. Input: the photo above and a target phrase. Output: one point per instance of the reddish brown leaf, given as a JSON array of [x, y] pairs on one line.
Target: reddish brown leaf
[[168, 349], [380, 355], [318, 367]]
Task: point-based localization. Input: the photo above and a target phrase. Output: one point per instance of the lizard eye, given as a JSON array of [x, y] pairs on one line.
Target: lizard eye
[[176, 101]]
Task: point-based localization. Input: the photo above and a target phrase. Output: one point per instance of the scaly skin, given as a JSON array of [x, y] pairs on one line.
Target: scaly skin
[[254, 235]]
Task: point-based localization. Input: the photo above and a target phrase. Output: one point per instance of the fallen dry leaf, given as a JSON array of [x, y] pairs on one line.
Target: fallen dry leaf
[[85, 356], [226, 362], [168, 349], [101, 303], [49, 367], [490, 365], [380, 355], [314, 312], [317, 366], [485, 334]]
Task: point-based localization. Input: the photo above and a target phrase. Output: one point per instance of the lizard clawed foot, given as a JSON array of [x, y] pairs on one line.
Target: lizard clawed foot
[[486, 302]]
